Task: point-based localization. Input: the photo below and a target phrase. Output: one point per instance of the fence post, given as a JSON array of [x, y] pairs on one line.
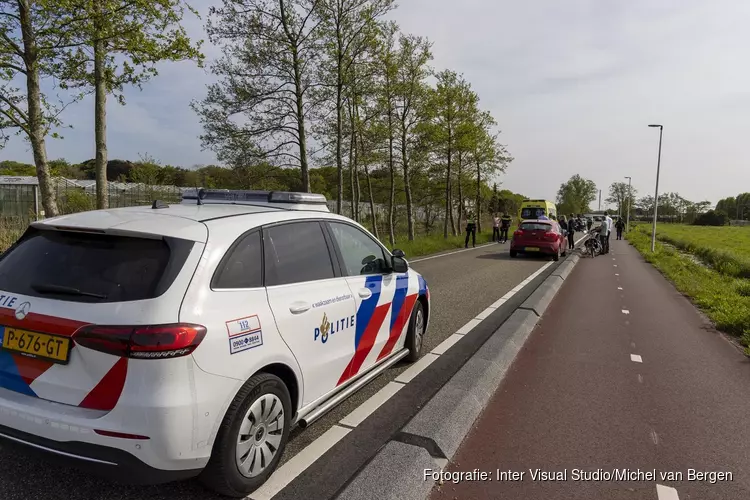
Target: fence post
[[36, 202]]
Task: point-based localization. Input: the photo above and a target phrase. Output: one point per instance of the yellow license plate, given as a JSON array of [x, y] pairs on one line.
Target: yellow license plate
[[37, 345], [532, 249]]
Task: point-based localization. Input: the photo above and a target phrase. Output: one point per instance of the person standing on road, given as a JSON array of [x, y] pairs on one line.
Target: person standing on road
[[571, 233], [504, 227], [471, 230], [610, 223], [496, 228], [589, 223], [619, 225]]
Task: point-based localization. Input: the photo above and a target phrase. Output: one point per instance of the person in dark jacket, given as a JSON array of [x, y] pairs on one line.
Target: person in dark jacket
[[505, 222], [619, 225], [471, 230], [571, 234]]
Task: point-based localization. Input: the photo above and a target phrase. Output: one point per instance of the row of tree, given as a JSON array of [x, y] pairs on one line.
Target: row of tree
[[427, 194], [576, 195], [333, 81], [735, 207], [301, 82]]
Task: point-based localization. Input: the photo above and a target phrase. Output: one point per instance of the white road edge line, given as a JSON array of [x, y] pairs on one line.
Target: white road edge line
[[484, 314], [297, 464], [636, 358], [666, 493], [408, 375], [308, 455], [447, 344], [469, 326], [373, 403], [449, 253]]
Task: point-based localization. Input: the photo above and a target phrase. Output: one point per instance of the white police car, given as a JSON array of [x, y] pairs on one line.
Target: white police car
[[165, 342]]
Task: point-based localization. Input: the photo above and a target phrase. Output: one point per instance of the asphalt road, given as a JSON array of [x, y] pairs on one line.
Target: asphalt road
[[462, 285], [579, 397]]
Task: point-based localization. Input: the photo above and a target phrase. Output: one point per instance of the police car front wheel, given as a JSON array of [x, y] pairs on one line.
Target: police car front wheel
[[415, 335], [251, 439]]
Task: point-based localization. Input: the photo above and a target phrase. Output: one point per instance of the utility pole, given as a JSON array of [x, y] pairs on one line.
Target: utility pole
[[656, 190], [600, 201], [630, 197]]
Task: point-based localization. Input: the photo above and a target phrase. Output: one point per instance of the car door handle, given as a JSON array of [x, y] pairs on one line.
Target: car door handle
[[365, 293], [299, 307]]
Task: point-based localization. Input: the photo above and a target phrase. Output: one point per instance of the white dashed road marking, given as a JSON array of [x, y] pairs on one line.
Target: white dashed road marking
[[451, 253], [616, 274], [666, 493], [640, 378], [614, 265], [654, 437], [619, 288], [636, 358], [625, 311]]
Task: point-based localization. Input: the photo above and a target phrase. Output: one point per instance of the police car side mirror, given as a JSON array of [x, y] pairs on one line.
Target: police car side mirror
[[398, 264]]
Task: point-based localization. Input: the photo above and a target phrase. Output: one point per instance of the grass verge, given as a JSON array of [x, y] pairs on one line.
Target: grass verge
[[724, 298], [9, 233], [426, 245]]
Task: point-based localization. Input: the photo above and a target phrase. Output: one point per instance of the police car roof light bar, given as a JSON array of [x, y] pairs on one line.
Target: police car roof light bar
[[243, 196]]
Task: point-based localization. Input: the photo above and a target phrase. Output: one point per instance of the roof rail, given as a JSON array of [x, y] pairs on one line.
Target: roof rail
[[282, 199]]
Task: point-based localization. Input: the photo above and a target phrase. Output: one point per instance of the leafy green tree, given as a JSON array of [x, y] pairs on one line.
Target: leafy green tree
[[119, 43], [619, 194], [259, 109], [32, 36], [347, 30], [410, 89], [575, 195]]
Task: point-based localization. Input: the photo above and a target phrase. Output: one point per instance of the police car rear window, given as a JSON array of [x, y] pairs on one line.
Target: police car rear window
[[85, 267]]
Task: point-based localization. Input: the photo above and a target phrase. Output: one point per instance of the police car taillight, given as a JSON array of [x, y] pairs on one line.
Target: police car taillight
[[142, 342]]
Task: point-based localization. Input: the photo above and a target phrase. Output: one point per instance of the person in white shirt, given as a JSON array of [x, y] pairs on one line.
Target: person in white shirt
[[610, 223], [603, 233]]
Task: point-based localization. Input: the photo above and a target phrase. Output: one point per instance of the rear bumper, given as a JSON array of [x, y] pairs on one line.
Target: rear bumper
[[545, 247], [111, 463]]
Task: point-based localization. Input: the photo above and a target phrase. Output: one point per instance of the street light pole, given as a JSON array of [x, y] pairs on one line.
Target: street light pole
[[656, 192], [627, 214]]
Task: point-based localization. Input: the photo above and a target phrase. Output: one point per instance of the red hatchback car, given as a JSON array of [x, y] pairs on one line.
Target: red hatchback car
[[538, 237]]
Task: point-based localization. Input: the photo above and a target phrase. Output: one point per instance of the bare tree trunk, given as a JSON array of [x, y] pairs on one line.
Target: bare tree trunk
[[407, 185], [479, 196], [448, 205], [392, 169], [100, 121], [352, 152], [372, 203], [461, 206], [304, 168], [35, 120]]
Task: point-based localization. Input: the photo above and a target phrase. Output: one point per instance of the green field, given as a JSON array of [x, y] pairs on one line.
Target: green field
[[727, 249], [712, 276]]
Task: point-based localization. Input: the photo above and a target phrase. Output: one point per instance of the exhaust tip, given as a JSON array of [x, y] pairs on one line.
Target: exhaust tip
[[303, 424]]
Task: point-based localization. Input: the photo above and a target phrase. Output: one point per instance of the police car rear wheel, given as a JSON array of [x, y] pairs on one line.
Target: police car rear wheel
[[415, 335], [251, 438]]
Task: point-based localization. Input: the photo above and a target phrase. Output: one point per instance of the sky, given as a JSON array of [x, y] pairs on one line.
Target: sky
[[573, 86]]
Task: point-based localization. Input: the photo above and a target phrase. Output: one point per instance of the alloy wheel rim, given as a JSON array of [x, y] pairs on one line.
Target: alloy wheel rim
[[419, 329], [260, 434]]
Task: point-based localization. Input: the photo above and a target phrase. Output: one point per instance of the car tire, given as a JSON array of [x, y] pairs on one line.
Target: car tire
[[255, 402], [513, 254], [415, 334], [556, 255]]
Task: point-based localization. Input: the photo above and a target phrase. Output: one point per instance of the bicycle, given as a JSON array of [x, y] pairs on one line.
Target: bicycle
[[593, 245]]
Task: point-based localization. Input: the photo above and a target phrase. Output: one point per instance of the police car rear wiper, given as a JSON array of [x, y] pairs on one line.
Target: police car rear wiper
[[65, 290]]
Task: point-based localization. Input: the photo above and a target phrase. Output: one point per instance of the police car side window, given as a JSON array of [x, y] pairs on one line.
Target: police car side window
[[295, 253], [242, 265], [362, 255]]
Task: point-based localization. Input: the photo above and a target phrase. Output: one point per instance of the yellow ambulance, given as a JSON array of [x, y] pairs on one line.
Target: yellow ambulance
[[533, 209]]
